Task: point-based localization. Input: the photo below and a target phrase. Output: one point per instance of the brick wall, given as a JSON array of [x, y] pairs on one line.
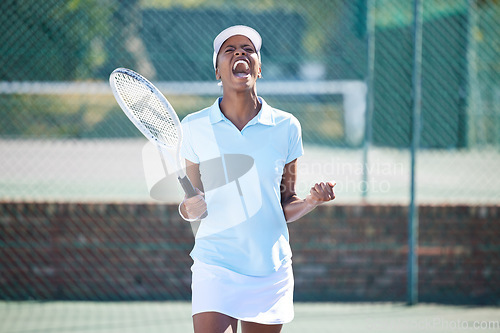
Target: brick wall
[[341, 253], [359, 253]]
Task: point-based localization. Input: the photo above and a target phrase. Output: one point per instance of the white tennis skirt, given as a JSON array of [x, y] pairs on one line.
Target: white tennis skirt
[[259, 299]]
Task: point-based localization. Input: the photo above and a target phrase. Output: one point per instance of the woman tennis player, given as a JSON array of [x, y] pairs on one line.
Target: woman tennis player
[[242, 156]]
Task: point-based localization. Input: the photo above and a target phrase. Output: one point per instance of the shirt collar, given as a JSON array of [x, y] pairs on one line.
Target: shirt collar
[[264, 117]]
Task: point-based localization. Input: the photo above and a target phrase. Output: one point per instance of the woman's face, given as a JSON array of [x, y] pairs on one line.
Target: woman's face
[[238, 63]]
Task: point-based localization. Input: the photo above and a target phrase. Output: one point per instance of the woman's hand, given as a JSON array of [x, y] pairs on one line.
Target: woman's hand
[[320, 193], [295, 207], [194, 207]]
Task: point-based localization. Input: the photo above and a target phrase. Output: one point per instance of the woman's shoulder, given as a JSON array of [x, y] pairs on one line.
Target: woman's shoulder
[[284, 116], [201, 113], [278, 115], [196, 115]]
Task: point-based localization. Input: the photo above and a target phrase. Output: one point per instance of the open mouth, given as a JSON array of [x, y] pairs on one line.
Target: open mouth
[[241, 69]]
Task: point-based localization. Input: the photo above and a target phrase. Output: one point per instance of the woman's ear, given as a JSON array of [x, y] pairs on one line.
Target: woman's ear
[[260, 73], [217, 75]]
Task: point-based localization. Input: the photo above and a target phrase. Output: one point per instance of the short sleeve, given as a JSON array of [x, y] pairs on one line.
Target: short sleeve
[[295, 148], [187, 149]]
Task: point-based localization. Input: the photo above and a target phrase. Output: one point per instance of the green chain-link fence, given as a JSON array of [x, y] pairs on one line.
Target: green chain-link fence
[[56, 57], [64, 138]]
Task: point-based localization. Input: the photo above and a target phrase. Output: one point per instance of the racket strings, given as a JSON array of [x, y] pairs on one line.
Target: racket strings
[[148, 109]]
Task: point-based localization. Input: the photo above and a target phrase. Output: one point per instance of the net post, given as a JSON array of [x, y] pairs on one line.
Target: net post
[[412, 287], [370, 42]]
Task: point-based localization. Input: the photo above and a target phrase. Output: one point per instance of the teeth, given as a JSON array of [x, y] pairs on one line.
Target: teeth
[[240, 62]]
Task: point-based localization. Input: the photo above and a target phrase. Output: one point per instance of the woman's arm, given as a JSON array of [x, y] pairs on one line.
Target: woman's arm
[[295, 207], [194, 207]]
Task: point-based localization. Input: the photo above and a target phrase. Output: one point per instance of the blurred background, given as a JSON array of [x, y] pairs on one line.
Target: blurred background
[[62, 130], [76, 219]]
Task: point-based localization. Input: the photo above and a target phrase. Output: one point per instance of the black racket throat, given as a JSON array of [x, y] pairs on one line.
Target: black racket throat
[[187, 186]]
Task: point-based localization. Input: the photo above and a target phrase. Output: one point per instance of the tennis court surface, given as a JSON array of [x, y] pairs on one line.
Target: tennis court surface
[[172, 317]]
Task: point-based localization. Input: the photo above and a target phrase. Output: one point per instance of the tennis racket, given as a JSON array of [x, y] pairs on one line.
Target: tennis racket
[[152, 114]]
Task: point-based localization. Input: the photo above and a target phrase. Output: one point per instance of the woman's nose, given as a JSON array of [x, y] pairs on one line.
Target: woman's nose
[[240, 52]]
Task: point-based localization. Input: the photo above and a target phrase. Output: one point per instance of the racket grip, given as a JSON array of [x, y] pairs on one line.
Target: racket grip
[[189, 190], [187, 186]]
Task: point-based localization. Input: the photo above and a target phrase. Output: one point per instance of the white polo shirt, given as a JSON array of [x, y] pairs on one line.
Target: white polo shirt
[[245, 230]]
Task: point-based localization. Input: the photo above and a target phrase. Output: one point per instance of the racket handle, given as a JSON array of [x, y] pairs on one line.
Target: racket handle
[[187, 186], [189, 190]]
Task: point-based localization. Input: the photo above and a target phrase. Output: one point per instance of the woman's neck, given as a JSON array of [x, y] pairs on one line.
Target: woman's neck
[[240, 107]]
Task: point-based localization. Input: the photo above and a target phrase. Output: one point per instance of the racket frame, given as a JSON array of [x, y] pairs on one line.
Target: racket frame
[[167, 152]]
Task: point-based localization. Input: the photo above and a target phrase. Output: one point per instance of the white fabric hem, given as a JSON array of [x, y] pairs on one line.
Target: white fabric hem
[[251, 319], [264, 300]]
